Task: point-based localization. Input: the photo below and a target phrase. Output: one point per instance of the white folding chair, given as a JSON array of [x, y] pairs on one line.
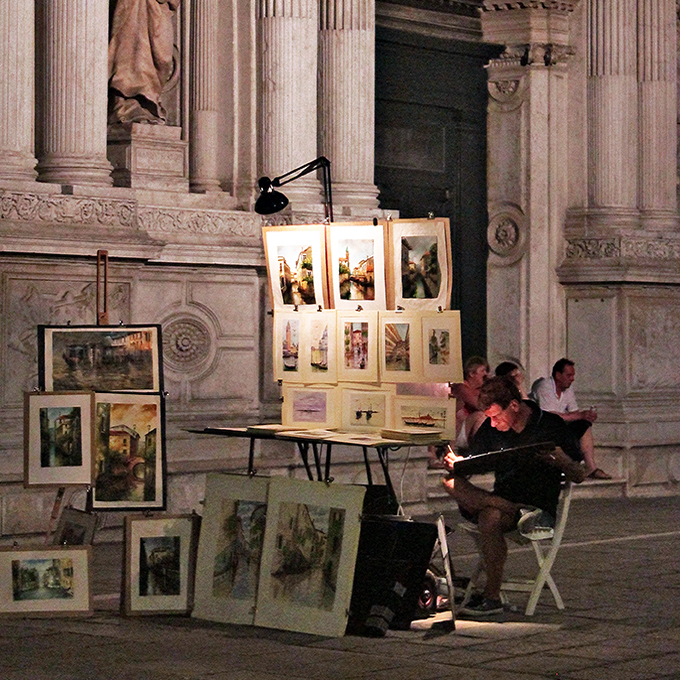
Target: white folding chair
[[545, 551]]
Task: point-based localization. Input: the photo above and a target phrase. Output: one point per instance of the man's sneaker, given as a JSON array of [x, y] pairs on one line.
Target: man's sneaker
[[536, 525], [478, 605]]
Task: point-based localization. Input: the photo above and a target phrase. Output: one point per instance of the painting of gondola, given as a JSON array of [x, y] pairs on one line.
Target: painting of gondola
[[400, 347], [129, 452], [309, 555], [318, 355], [230, 548], [441, 346], [356, 264], [309, 407], [58, 438], [419, 275], [159, 563], [296, 267], [287, 335], [106, 358], [51, 579]]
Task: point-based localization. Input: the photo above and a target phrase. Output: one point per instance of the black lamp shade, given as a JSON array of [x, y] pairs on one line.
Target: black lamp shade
[[270, 201]]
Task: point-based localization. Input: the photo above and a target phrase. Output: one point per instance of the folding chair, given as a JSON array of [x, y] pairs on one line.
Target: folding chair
[[545, 551]]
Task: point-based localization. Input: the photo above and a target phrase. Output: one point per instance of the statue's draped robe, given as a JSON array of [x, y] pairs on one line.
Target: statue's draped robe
[[140, 59]]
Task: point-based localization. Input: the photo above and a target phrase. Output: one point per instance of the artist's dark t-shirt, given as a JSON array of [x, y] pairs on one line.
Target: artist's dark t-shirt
[[520, 476]]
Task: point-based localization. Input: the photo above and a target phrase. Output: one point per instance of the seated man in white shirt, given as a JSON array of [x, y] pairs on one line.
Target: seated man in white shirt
[[556, 395]]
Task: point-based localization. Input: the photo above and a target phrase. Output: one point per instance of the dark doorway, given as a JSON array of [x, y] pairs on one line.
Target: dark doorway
[[430, 152]]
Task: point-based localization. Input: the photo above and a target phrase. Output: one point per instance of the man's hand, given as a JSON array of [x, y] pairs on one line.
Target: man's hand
[[590, 415], [573, 471], [450, 458]]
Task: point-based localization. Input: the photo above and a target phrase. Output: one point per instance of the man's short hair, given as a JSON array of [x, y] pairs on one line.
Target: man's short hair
[[560, 365], [473, 363], [500, 390], [506, 368]]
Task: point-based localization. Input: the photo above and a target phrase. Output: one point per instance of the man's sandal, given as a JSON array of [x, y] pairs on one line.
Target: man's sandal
[[598, 473]]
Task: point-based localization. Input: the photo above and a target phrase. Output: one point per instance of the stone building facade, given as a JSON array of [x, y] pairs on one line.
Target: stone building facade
[[582, 234]]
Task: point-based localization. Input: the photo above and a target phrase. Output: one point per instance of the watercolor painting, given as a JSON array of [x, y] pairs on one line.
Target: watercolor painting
[[290, 345], [356, 269], [420, 271], [42, 579], [310, 406], [397, 346], [319, 346], [296, 274], [439, 347], [355, 335], [60, 436]]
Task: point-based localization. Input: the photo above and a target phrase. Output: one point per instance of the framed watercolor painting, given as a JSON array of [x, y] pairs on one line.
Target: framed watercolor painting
[[58, 430], [100, 358], [287, 337], [356, 265], [318, 348], [442, 354], [129, 452], [296, 265], [419, 269], [357, 338], [400, 347], [310, 406], [230, 548], [75, 527], [425, 414], [46, 581], [365, 410], [309, 555], [159, 563]]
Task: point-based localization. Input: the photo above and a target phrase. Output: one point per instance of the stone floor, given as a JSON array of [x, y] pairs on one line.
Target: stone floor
[[618, 571]]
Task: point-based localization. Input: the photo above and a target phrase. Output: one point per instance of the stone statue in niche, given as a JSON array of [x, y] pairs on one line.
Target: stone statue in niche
[[140, 59]]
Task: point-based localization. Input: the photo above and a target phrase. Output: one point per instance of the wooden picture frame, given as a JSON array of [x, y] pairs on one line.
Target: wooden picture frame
[[425, 413], [401, 358], [319, 347], [357, 346], [288, 336], [159, 563], [442, 353], [419, 264], [356, 265], [365, 409], [230, 548], [296, 266], [100, 358], [129, 452], [310, 406], [75, 527], [46, 581], [58, 438], [310, 549]]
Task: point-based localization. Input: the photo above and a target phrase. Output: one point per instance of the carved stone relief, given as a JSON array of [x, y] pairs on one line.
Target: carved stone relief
[[630, 248], [506, 233], [187, 344], [196, 222]]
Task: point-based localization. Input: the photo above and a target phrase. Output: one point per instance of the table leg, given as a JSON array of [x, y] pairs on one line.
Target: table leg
[[327, 477], [382, 456], [303, 447], [369, 475], [317, 460], [251, 457]]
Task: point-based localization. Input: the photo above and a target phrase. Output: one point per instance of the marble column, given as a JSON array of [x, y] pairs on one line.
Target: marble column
[[287, 125], [657, 92], [612, 110], [72, 68], [203, 97], [17, 83], [346, 99]]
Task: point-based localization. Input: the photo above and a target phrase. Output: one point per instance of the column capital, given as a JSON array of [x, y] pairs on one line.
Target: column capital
[[559, 5]]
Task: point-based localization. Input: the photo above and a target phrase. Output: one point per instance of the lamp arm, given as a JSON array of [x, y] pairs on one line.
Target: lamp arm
[[305, 169]]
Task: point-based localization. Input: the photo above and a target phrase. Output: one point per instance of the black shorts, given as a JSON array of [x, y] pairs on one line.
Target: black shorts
[[579, 427]]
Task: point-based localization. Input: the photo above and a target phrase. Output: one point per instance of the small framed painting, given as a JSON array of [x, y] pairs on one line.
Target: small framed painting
[[356, 265], [419, 264], [159, 563], [426, 414], [230, 548], [129, 452], [310, 550], [106, 358], [58, 430], [75, 527], [400, 347], [46, 581], [318, 348], [296, 265], [287, 337], [442, 354], [365, 410], [310, 407], [357, 338]]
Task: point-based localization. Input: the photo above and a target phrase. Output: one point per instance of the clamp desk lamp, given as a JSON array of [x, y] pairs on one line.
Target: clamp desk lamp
[[271, 201]]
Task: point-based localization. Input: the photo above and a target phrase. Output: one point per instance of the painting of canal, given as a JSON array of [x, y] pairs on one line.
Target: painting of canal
[[439, 347], [356, 269], [296, 274], [420, 273], [355, 338], [397, 346], [60, 436], [42, 579], [106, 360], [307, 554], [159, 565], [238, 551]]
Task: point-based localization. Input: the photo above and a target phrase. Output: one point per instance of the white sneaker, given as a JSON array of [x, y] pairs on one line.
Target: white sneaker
[[536, 525]]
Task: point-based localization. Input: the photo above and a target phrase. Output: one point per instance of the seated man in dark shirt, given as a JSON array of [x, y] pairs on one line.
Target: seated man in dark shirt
[[523, 480]]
